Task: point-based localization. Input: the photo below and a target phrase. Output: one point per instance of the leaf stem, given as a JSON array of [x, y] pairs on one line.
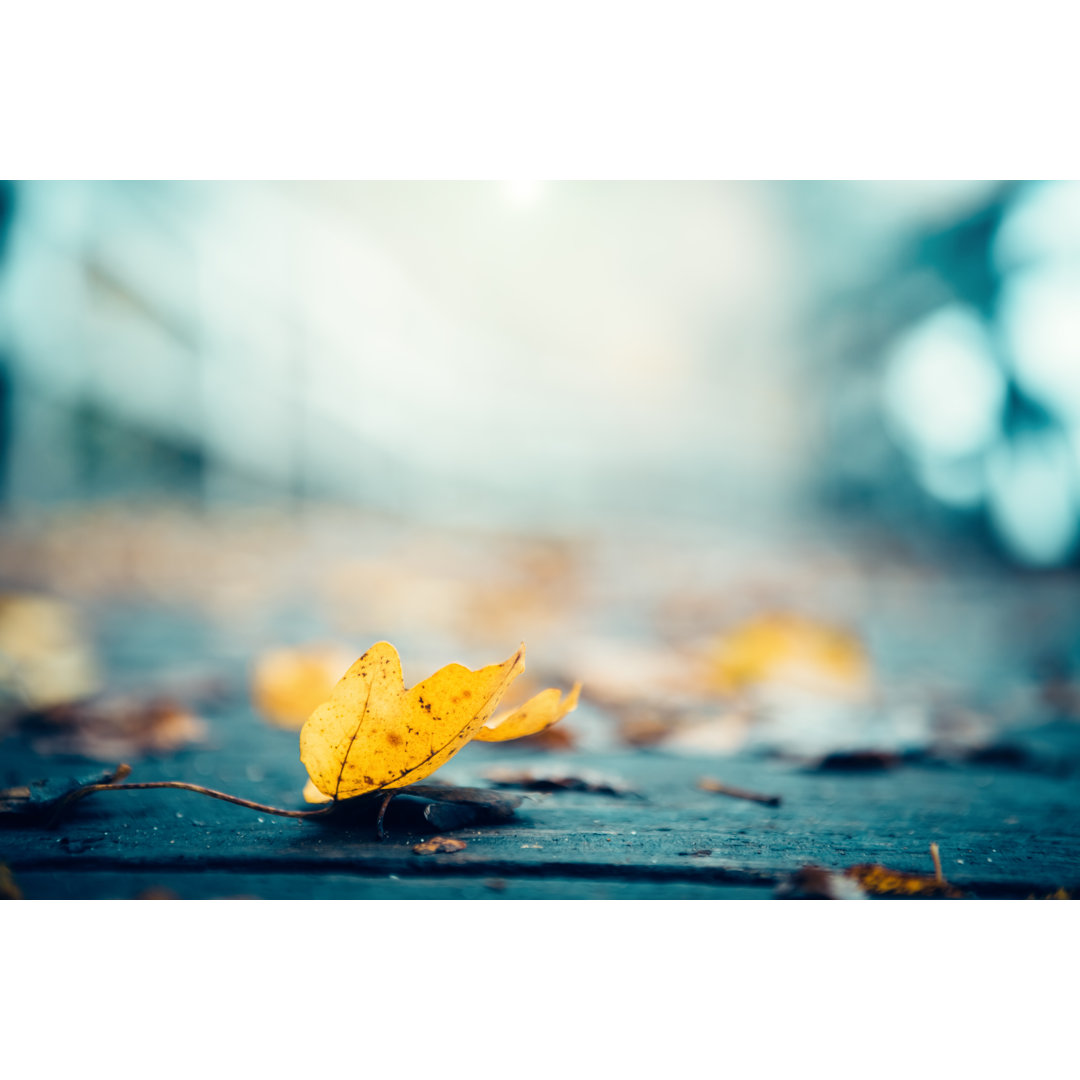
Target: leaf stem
[[199, 790], [939, 877]]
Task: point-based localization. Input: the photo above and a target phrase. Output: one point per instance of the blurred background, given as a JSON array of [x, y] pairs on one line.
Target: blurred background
[[548, 355], [615, 419]]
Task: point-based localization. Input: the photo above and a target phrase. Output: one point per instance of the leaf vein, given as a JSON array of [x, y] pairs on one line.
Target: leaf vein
[[356, 731]]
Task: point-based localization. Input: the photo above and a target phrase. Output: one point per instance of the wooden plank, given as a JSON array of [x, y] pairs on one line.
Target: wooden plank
[[1001, 831]]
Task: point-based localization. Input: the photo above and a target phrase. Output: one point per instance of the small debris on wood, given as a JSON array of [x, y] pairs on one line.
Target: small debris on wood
[[707, 783], [9, 889], [812, 882], [724, 733], [1007, 755], [44, 799], [690, 729], [882, 882], [112, 728], [427, 807], [440, 845], [935, 854], [858, 761], [644, 725], [553, 780], [46, 656]]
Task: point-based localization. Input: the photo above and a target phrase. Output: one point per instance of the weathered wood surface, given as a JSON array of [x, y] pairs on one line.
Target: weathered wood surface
[[1006, 827], [1002, 832]]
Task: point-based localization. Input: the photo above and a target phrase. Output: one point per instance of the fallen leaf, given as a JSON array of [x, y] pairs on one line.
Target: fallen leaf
[[539, 712], [439, 845], [373, 734], [689, 729], [288, 685], [858, 761], [880, 881], [554, 780], [430, 807], [313, 795], [111, 728], [645, 727], [1007, 755], [816, 883], [9, 888], [45, 657], [717, 735], [43, 798], [792, 649]]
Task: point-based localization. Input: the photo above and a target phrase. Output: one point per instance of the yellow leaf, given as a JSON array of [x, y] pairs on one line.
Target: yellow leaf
[[373, 734], [788, 648], [537, 713], [45, 656], [287, 685], [879, 880], [313, 795]]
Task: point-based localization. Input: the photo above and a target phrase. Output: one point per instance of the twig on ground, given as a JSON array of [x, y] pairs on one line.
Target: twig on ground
[[707, 783]]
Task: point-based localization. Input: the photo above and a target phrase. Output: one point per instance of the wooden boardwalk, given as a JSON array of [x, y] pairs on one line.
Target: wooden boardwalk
[[1006, 820], [1002, 832]]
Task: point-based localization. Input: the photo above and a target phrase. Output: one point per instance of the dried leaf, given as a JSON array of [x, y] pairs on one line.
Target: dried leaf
[[430, 807], [792, 649], [43, 798], [717, 735], [496, 805], [45, 658], [880, 881], [858, 761], [373, 734], [111, 728], [9, 888], [645, 727], [439, 845], [288, 685], [538, 713], [816, 883], [687, 729], [554, 780]]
